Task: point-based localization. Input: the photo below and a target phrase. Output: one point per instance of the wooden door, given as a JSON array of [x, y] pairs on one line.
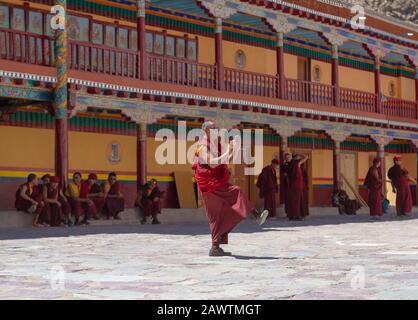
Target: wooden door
[[348, 164], [304, 74]]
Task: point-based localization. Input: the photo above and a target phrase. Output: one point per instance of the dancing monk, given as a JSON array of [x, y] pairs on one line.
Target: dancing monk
[[400, 184], [225, 204], [267, 183], [297, 205], [374, 183]]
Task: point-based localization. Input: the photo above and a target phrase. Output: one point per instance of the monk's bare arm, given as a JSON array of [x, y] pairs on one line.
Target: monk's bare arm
[[305, 158], [25, 196], [62, 195], [205, 157]]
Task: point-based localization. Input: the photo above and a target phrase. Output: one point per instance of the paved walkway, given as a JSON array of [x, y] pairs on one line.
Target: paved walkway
[[337, 258]]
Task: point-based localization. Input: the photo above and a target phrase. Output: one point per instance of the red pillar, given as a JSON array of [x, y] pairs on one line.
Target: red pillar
[[142, 47], [220, 78], [416, 92], [141, 155], [61, 150], [377, 86], [280, 67], [335, 76], [336, 165]]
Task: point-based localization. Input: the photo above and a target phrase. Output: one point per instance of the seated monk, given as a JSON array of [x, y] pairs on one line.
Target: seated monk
[[56, 203], [343, 202], [28, 199], [151, 201], [95, 194], [80, 204], [114, 201]]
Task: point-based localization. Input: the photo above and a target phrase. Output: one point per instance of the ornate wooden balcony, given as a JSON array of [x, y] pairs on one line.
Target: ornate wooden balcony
[[82, 56]]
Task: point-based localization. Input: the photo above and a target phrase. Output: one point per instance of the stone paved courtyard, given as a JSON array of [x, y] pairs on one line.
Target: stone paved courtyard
[[322, 258]]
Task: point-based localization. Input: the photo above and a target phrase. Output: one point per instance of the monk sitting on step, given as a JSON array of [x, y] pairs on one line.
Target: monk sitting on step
[[114, 201], [28, 199]]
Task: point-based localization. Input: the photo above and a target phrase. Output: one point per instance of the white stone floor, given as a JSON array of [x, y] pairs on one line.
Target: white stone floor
[[321, 258]]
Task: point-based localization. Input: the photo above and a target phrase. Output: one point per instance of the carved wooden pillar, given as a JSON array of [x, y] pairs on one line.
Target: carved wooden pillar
[[141, 155], [141, 38]]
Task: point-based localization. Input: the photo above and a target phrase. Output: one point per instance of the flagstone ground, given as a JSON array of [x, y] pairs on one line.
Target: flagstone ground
[[322, 258]]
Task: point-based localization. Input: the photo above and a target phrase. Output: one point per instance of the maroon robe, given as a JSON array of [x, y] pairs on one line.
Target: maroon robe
[[284, 174], [98, 201], [113, 206], [399, 177], [345, 204], [79, 208], [267, 183], [55, 212], [22, 204], [297, 199], [225, 204], [150, 207], [373, 182]]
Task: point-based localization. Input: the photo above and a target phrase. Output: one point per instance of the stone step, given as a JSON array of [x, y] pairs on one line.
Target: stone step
[[15, 219]]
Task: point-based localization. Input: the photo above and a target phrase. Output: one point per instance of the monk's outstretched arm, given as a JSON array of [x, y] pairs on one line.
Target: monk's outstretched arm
[[305, 158], [213, 162]]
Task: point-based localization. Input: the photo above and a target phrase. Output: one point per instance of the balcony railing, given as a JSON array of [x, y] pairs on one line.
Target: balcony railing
[[357, 100], [306, 91], [250, 83], [399, 108], [182, 72], [101, 59], [26, 47], [82, 56]]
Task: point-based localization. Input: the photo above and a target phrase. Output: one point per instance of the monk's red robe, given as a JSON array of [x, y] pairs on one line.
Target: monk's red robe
[[373, 182], [284, 179], [79, 208], [297, 199], [22, 204], [225, 204], [399, 177], [98, 201], [150, 207], [268, 188], [55, 212], [113, 206]]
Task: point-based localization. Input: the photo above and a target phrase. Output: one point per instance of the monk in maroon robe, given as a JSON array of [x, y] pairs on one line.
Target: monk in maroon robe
[[150, 201], [284, 174], [56, 203], [343, 202], [374, 183], [95, 194], [297, 199], [268, 187], [28, 199], [114, 201], [400, 183], [81, 205], [225, 204]]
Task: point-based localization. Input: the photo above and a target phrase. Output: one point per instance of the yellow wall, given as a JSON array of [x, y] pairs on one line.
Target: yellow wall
[[407, 88], [326, 69], [322, 164], [356, 79], [364, 163], [258, 59], [90, 151], [26, 147], [290, 66]]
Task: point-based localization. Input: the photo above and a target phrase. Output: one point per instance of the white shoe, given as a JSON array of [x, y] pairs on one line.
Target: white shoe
[[263, 217]]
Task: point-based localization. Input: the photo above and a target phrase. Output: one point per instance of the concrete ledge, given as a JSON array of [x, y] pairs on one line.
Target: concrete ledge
[[15, 219]]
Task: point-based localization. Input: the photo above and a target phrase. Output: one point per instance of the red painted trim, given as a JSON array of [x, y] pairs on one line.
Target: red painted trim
[[61, 150]]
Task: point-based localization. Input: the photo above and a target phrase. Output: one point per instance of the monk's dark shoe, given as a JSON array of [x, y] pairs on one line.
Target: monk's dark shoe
[[226, 253], [143, 221], [217, 252], [155, 221]]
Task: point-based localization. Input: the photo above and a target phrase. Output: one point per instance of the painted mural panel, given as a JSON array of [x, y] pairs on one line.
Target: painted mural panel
[[4, 17], [78, 28], [191, 50], [35, 22], [181, 48], [123, 38], [149, 39], [133, 40], [159, 44], [170, 46], [110, 36], [18, 19], [97, 33]]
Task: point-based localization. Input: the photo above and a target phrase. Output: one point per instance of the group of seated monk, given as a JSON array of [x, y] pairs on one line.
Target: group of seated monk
[[84, 200]]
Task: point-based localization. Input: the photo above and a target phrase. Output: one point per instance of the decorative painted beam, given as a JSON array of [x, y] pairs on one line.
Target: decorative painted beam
[[27, 93]]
